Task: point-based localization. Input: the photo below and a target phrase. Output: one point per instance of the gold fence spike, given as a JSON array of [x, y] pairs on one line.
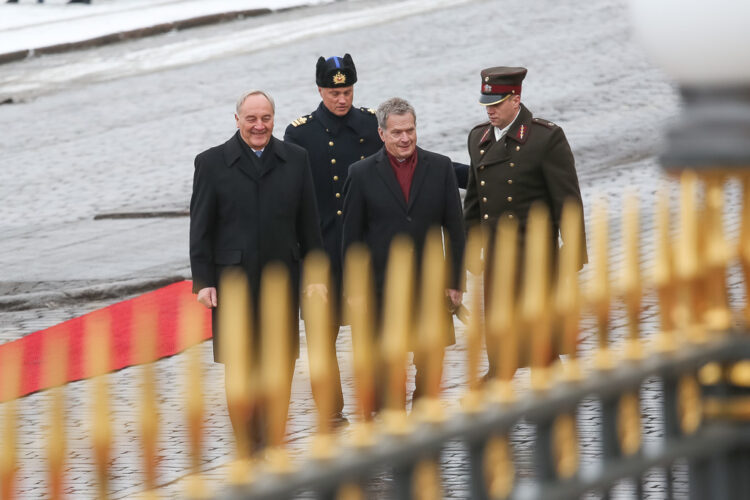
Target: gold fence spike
[[472, 400], [535, 305], [499, 472], [565, 445], [55, 370], [598, 289], [146, 319], [426, 481], [717, 316], [360, 311], [236, 324], [276, 330], [630, 278], [432, 326], [98, 351], [350, 491], [567, 291], [501, 327], [664, 275], [397, 323], [689, 404], [687, 264], [10, 371], [629, 423], [317, 310], [744, 244], [190, 324]]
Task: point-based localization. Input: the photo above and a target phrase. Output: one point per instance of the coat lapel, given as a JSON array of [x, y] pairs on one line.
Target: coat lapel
[[420, 172], [277, 156], [384, 169], [233, 155]]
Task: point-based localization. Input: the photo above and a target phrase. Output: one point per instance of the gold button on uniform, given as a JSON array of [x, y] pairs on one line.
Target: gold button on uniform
[[510, 216], [333, 161], [362, 157], [512, 164], [481, 151], [518, 148], [484, 199], [510, 181], [338, 195], [481, 167], [361, 140], [482, 183], [339, 212], [510, 198], [486, 216], [335, 177], [330, 143]]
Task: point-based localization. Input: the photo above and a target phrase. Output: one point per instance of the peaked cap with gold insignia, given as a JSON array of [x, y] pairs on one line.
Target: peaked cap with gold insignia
[[500, 82]]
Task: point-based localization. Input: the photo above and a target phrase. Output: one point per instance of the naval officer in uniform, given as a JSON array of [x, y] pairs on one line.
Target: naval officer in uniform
[[516, 161], [335, 135]]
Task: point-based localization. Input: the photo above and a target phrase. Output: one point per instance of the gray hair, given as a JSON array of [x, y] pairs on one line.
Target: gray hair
[[393, 106], [265, 94]]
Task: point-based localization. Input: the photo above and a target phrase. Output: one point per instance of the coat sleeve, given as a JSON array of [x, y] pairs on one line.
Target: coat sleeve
[[308, 228], [454, 227], [471, 200], [202, 225], [560, 176], [355, 221]]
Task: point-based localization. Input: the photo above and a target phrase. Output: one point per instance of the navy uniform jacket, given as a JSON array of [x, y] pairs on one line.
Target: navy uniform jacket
[[333, 144], [533, 162], [246, 212]]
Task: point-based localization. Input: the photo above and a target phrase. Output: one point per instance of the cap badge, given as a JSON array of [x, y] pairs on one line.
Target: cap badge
[[339, 78], [486, 78], [487, 87]]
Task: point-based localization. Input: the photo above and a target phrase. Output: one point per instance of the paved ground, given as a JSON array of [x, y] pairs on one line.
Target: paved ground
[[77, 147]]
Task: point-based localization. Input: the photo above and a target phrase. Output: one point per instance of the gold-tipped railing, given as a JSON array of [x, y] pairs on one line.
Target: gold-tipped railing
[[529, 315]]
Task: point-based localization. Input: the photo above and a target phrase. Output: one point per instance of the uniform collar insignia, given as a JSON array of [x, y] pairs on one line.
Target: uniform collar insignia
[[486, 133]]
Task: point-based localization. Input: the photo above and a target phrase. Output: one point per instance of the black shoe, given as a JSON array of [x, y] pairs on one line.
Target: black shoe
[[338, 420]]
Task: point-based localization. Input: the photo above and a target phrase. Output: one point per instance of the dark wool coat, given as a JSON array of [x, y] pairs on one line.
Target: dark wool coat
[[247, 212], [375, 210]]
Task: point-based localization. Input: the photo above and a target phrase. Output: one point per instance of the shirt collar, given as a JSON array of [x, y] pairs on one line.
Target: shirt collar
[[500, 133]]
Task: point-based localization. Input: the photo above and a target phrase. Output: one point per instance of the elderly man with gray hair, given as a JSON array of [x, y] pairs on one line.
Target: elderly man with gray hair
[[403, 189], [253, 203]]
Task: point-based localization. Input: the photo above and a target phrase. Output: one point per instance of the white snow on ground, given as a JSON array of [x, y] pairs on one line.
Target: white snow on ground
[[32, 25], [193, 51]]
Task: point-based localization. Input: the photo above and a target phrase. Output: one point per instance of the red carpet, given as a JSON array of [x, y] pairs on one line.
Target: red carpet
[[165, 303]]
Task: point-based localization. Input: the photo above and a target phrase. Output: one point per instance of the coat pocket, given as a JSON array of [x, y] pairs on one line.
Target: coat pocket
[[228, 257]]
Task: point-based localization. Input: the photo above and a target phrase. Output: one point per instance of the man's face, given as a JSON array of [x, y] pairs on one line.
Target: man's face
[[337, 100], [502, 113], [400, 135], [255, 121]]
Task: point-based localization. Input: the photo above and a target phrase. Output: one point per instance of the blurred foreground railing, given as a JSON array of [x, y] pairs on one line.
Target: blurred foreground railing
[[699, 358]]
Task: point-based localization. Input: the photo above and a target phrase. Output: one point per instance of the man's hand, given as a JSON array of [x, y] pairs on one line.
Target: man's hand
[[207, 297], [456, 296]]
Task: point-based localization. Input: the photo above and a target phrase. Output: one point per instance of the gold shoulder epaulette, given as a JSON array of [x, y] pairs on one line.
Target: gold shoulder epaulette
[[301, 120], [483, 124], [368, 110], [544, 122]]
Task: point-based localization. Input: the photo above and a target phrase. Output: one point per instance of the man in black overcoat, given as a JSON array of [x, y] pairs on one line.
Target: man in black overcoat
[[403, 189], [253, 203]]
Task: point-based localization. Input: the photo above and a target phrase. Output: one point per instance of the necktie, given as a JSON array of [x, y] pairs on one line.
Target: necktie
[[258, 153]]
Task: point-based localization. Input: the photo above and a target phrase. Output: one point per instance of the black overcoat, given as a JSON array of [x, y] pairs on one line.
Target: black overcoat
[[375, 210], [247, 212]]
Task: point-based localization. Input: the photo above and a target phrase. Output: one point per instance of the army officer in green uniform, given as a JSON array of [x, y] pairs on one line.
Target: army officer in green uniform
[[516, 160]]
